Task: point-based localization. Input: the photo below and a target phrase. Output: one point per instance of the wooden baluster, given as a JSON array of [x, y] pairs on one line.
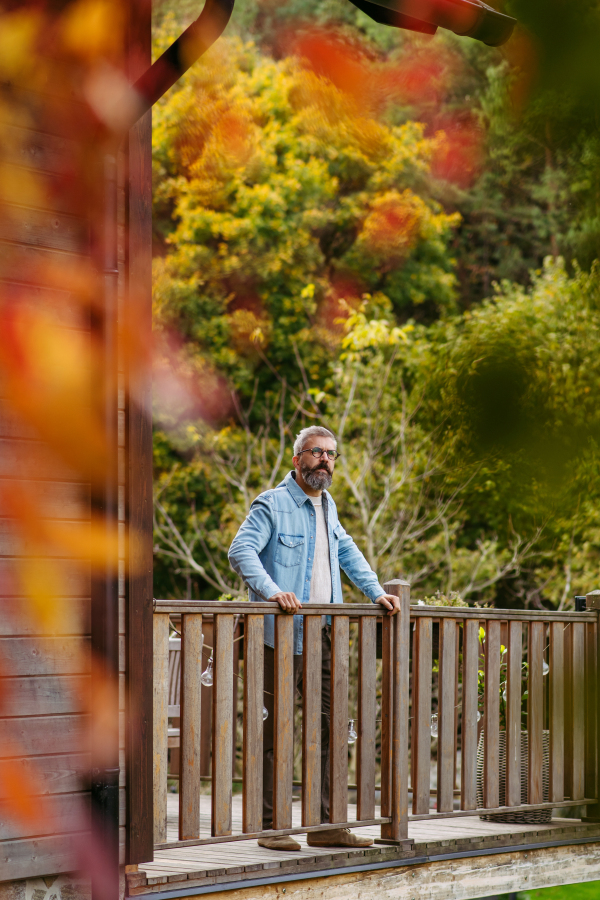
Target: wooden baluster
[[222, 724], [557, 712], [591, 700], [387, 695], [190, 712], [578, 702], [457, 703], [491, 765], [568, 709], [283, 764], [367, 678], [338, 730], [469, 714], [252, 758], [535, 712], [514, 664], [397, 829], [311, 722], [446, 697], [161, 724], [421, 714]]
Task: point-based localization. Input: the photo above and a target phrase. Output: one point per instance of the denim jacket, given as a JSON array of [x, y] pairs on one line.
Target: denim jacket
[[273, 551]]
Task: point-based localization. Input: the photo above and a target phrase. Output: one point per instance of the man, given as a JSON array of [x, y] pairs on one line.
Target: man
[[290, 549]]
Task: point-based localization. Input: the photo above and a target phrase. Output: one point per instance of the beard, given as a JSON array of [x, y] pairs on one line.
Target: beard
[[319, 478]]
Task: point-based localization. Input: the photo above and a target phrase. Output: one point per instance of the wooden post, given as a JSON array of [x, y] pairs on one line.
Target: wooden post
[[397, 830], [161, 724], [421, 714], [190, 712], [469, 714], [593, 810], [222, 724], [591, 701], [446, 717], [367, 677], [491, 766], [252, 799], [283, 766]]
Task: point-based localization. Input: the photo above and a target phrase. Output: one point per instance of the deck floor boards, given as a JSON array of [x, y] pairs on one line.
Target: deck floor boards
[[208, 864]]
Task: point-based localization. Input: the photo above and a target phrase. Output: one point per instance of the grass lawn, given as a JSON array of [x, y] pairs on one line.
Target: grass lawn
[[588, 891]]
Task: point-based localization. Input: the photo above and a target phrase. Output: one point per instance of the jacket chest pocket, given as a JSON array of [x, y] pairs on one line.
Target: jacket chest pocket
[[289, 549]]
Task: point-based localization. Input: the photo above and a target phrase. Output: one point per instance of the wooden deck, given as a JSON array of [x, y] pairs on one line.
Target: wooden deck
[[239, 861]]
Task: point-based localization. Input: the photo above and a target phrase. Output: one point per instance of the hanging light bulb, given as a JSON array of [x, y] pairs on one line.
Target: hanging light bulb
[[434, 726], [352, 735], [545, 667], [478, 716], [265, 713], [207, 676], [504, 695]]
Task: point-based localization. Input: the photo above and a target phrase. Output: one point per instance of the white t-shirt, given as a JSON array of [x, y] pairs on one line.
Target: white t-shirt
[[320, 583]]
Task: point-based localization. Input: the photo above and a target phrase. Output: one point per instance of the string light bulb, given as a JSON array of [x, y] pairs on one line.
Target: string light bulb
[[207, 676], [265, 713], [434, 726], [545, 667], [352, 735]]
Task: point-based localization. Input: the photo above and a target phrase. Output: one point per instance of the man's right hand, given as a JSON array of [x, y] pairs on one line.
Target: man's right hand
[[287, 601]]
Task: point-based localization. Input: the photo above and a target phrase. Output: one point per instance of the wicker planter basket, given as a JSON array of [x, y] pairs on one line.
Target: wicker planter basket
[[533, 817]]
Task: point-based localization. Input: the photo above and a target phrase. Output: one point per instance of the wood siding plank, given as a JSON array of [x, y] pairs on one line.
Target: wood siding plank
[[283, 764], [222, 725], [338, 732], [45, 695], [161, 722], [535, 711], [190, 727], [446, 696], [514, 662], [491, 768], [45, 655], [43, 735], [367, 704], [421, 714], [61, 773], [311, 721], [252, 759]]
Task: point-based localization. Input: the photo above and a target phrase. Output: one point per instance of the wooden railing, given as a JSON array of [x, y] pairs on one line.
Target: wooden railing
[[463, 666]]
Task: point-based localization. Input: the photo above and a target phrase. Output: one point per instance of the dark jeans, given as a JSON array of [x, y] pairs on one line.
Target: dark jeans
[[268, 725]]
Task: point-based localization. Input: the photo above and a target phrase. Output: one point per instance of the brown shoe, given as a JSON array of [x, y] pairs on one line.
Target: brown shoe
[[336, 837], [279, 842]]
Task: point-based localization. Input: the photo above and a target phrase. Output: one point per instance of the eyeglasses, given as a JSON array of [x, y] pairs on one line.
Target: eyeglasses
[[318, 451]]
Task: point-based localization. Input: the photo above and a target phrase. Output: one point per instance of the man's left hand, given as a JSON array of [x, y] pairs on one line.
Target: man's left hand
[[391, 603]]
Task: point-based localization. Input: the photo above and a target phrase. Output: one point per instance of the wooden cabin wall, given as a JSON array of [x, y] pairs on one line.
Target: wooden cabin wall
[[46, 707], [45, 676]]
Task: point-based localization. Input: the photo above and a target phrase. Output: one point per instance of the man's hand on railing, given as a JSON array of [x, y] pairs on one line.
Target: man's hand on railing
[[390, 602], [287, 601]]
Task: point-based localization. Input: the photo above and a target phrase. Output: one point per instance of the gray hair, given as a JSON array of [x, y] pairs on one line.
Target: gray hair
[[317, 430]]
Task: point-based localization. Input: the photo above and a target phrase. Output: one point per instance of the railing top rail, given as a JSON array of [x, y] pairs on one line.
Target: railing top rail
[[210, 607]]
